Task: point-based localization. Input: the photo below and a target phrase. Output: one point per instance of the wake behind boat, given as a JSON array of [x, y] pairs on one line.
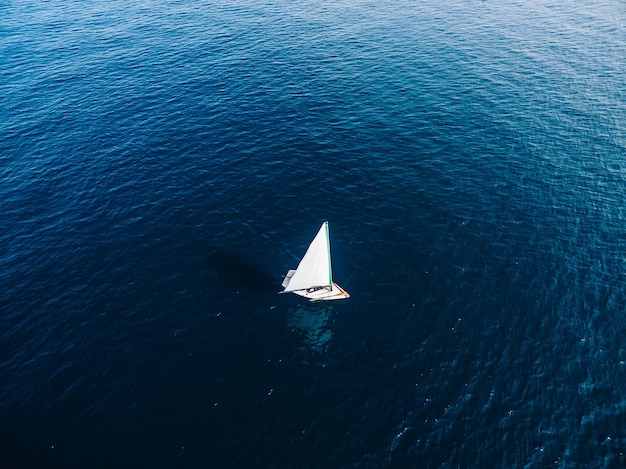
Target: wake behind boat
[[313, 278]]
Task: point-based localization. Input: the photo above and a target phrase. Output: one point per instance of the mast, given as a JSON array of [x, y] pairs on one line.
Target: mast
[[330, 267]]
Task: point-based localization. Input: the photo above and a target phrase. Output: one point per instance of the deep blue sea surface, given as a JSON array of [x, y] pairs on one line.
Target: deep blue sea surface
[[164, 162]]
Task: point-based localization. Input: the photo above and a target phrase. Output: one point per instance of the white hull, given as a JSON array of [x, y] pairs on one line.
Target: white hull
[[332, 292]]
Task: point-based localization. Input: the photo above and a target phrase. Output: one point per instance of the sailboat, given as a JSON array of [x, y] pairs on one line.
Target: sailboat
[[313, 278]]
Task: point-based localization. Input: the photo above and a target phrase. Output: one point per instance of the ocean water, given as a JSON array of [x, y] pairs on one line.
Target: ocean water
[[163, 163]]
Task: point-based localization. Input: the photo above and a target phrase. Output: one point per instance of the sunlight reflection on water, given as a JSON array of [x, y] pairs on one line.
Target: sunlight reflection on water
[[312, 322]]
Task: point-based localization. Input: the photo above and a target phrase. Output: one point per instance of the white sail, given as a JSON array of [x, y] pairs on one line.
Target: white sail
[[313, 278], [314, 269]]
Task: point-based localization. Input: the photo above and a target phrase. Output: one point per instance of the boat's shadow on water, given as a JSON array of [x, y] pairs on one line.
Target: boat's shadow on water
[[234, 271]]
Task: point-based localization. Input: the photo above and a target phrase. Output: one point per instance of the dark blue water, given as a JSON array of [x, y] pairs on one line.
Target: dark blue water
[[163, 163]]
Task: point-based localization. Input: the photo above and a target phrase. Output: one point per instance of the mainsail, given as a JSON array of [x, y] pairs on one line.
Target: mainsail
[[314, 269]]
